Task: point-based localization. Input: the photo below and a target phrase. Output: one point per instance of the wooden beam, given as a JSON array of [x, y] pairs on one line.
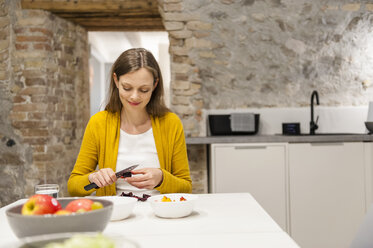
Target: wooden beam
[[121, 24], [104, 15], [91, 6], [124, 28]]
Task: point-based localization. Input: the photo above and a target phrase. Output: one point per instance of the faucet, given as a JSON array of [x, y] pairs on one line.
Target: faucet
[[313, 124]]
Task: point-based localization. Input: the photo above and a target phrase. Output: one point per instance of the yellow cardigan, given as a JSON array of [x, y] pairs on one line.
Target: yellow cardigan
[[100, 146]]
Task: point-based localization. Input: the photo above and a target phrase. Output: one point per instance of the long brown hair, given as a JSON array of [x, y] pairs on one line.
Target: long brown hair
[[133, 60]]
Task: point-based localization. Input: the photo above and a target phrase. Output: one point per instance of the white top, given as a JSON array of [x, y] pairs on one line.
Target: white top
[[136, 149]]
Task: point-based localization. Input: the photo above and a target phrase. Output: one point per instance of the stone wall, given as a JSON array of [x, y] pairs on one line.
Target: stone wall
[[231, 54], [267, 53], [44, 98]]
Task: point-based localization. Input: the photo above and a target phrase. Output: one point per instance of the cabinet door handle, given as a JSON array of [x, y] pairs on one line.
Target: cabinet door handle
[[249, 147]]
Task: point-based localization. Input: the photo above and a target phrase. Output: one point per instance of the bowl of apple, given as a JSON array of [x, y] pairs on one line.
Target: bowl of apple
[[43, 214]]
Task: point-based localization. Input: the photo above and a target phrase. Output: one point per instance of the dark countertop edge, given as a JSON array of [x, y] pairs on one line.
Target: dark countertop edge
[[279, 139]]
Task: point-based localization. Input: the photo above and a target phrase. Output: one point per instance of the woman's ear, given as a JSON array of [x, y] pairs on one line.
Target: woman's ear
[[155, 84], [116, 79]]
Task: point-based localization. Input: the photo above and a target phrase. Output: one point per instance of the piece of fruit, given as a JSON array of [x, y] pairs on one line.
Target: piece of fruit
[[40, 204], [75, 205], [63, 212], [166, 199], [97, 205]]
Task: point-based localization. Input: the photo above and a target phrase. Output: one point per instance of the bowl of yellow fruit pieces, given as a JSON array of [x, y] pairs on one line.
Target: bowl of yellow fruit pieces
[[173, 205]]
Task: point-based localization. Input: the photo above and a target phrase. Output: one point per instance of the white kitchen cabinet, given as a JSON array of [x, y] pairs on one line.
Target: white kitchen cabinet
[[259, 169], [327, 193]]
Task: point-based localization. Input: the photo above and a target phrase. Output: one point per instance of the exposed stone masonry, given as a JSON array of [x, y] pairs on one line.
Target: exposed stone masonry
[[266, 53], [185, 33], [44, 96]]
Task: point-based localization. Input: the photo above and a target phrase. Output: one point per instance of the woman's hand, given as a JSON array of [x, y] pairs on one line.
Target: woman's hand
[[147, 178], [103, 177]]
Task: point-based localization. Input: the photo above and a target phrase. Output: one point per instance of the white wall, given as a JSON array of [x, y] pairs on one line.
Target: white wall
[[97, 81]]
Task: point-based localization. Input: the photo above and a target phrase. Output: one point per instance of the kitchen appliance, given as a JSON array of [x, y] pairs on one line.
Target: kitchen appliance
[[291, 128], [234, 124], [369, 122], [369, 126]]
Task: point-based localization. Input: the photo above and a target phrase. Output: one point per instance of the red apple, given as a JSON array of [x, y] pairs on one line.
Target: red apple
[[40, 204], [75, 205]]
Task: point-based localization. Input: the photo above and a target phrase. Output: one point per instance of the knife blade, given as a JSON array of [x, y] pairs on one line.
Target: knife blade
[[126, 171], [123, 173]]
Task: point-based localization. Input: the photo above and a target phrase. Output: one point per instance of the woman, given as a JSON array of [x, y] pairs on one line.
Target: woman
[[135, 128]]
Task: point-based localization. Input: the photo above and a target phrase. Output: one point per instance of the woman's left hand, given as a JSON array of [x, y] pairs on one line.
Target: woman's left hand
[[147, 178]]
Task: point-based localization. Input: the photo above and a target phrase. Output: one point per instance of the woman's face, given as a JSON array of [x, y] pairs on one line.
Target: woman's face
[[135, 89]]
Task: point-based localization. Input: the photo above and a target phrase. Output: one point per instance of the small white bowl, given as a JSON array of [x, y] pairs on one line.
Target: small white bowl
[[122, 206], [175, 208]]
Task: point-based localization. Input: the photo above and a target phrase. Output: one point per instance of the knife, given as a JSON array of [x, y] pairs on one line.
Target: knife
[[123, 173]]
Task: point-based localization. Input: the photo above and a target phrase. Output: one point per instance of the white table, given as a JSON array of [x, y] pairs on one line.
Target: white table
[[219, 220]]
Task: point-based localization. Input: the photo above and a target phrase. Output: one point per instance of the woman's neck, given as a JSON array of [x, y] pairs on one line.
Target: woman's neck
[[135, 122]]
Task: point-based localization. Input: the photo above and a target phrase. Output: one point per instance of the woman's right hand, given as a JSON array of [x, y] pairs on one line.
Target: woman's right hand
[[103, 177]]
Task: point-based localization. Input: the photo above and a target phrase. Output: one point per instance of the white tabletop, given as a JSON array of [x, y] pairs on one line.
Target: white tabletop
[[218, 220]]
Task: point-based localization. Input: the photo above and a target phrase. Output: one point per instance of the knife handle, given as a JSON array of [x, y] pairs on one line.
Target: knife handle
[[94, 186], [91, 186]]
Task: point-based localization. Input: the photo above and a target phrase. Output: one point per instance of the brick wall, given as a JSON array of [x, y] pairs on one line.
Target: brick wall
[[44, 96]]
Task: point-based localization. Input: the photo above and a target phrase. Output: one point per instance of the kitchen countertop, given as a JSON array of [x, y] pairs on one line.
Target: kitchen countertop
[[317, 138]]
